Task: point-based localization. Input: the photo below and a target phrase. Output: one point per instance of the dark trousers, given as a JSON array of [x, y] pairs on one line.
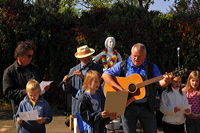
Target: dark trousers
[[192, 125], [141, 112], [171, 128]]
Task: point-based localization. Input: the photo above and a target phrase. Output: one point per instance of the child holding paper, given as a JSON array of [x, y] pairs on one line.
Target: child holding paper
[[170, 106], [90, 114], [34, 101], [192, 90]]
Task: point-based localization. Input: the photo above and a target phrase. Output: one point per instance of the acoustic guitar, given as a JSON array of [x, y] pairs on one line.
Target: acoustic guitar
[[135, 85]]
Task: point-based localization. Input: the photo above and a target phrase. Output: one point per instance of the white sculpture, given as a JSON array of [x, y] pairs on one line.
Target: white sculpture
[[109, 56]]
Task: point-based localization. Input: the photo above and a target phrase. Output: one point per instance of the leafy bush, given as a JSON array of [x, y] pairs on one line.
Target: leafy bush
[[58, 32]]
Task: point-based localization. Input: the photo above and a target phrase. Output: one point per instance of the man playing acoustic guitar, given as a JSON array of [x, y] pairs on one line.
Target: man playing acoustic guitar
[[141, 99]]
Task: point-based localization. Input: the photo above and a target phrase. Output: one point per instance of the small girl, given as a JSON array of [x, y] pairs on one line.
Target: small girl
[[192, 90], [34, 101], [173, 119], [90, 114]]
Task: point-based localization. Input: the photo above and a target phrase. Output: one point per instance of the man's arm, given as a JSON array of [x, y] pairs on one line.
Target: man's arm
[[166, 80], [9, 87], [110, 81]]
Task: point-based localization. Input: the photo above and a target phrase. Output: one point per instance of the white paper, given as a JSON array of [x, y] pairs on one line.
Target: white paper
[[29, 115], [43, 84], [183, 107]]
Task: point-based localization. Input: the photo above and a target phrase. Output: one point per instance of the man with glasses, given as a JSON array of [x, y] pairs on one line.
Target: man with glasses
[[17, 75]]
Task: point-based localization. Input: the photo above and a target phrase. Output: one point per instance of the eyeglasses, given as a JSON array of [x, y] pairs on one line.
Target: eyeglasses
[[29, 56]]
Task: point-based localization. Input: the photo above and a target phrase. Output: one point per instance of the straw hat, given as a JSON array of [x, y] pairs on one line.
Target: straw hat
[[84, 51]]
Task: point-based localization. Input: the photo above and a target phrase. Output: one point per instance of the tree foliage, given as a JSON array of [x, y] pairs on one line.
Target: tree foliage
[[186, 6], [58, 30]]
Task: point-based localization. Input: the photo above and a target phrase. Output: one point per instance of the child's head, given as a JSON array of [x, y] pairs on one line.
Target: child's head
[[33, 89], [176, 82], [193, 80], [92, 80]]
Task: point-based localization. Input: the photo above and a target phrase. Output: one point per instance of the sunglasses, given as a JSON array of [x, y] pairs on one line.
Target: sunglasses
[[29, 56]]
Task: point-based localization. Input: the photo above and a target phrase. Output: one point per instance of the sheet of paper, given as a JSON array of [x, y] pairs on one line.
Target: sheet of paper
[[43, 84], [183, 107], [29, 115], [116, 102]]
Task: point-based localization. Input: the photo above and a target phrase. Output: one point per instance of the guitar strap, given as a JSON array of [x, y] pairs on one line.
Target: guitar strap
[[147, 75]]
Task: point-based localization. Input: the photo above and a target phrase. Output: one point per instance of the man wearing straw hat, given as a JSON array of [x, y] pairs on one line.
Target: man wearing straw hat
[[84, 54]]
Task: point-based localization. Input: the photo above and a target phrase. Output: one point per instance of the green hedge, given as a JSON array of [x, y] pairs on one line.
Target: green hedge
[[57, 36]]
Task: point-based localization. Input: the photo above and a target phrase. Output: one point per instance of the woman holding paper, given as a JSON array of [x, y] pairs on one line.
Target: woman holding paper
[[174, 106], [192, 90]]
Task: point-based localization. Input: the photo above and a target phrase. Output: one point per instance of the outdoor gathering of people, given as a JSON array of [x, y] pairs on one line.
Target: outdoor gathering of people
[[85, 81]]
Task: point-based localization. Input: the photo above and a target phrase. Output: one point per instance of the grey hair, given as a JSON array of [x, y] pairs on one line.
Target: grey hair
[[109, 38], [139, 46]]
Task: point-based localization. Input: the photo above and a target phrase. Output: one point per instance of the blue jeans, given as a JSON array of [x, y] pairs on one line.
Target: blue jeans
[[141, 112], [192, 125]]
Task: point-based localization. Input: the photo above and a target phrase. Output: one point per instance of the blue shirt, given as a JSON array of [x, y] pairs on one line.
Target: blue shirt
[[96, 102]]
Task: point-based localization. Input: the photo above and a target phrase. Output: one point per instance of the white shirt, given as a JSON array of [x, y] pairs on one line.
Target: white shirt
[[170, 100]]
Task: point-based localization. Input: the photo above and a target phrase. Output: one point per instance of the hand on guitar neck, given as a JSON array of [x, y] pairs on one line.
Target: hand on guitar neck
[[167, 77]]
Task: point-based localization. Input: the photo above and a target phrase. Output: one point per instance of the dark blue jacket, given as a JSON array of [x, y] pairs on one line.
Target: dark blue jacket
[[93, 121]]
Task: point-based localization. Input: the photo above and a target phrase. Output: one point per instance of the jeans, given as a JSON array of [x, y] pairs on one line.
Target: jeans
[[141, 112], [192, 125]]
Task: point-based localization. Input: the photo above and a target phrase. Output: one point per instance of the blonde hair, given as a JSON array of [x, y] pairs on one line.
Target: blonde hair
[[33, 85], [193, 74], [90, 75]]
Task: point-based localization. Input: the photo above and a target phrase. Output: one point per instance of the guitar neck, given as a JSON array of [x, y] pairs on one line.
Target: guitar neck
[[150, 81]]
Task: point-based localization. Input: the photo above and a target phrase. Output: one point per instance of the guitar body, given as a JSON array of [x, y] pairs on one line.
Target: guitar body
[[129, 84]]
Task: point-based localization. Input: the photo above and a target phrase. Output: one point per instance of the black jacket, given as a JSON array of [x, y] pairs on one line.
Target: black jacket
[[15, 80], [87, 114]]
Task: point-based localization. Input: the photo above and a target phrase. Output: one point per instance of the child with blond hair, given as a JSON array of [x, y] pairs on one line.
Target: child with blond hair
[[34, 101], [192, 90], [90, 114]]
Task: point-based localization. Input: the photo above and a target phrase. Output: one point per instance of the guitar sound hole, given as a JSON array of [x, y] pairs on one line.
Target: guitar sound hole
[[132, 88]]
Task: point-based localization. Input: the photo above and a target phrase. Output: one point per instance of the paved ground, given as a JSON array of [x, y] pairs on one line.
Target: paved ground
[[56, 126]]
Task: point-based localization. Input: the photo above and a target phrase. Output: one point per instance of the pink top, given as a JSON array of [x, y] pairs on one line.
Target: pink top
[[194, 100]]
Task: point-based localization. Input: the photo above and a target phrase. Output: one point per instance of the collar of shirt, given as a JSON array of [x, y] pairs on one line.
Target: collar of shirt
[[84, 70], [175, 90], [17, 66]]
